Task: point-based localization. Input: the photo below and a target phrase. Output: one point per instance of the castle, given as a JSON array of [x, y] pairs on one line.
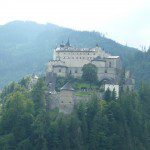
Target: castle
[[68, 60]]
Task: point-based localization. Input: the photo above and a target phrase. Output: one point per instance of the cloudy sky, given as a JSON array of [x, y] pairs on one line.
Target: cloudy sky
[[126, 21]]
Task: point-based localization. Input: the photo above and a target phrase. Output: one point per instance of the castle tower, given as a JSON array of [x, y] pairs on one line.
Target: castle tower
[[66, 100]]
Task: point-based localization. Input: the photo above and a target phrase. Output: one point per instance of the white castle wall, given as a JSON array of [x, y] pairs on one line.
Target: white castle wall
[[78, 57], [69, 60]]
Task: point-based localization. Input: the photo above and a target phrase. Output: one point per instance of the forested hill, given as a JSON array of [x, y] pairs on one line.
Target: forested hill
[[26, 123], [26, 47]]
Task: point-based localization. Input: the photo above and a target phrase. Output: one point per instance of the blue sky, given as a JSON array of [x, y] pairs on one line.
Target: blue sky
[[126, 21]]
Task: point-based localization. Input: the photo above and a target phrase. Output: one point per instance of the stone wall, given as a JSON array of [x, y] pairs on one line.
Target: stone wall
[[60, 70], [66, 101]]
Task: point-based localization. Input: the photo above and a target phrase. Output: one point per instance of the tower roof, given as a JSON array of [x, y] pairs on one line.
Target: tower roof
[[68, 43], [67, 87]]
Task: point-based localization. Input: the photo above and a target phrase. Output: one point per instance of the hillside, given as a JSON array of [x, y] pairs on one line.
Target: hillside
[[96, 124], [26, 47]]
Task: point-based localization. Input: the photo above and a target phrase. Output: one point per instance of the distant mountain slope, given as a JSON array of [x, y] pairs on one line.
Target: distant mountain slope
[[25, 47]]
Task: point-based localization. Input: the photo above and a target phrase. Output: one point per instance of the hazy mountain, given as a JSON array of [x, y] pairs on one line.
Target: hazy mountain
[[26, 47]]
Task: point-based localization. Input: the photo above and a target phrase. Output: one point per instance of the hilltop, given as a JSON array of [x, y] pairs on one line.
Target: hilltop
[[26, 47]]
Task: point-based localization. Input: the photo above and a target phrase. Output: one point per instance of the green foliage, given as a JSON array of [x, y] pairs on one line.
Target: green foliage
[[140, 66], [89, 73], [38, 96], [25, 82], [96, 124], [108, 95], [16, 119]]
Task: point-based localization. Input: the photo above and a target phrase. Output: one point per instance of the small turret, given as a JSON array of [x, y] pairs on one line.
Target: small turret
[[62, 44], [68, 43]]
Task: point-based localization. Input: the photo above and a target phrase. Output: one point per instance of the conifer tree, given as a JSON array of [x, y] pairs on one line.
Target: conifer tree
[[107, 95], [38, 96]]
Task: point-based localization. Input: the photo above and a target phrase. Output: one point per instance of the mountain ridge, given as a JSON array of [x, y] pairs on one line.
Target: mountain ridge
[[26, 47]]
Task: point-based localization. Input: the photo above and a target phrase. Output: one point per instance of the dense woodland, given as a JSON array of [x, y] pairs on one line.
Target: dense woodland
[[109, 124], [26, 47], [27, 123]]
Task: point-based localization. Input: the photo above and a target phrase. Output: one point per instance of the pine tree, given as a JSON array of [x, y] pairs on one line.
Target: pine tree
[[107, 95], [38, 96]]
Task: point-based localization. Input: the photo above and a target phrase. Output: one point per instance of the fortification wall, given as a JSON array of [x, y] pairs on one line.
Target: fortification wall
[[66, 101]]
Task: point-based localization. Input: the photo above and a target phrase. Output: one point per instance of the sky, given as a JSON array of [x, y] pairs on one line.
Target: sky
[[125, 21]]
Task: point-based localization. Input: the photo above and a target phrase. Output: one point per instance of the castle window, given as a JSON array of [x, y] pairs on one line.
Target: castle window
[[61, 101], [76, 71], [59, 70], [70, 72], [110, 64], [105, 70]]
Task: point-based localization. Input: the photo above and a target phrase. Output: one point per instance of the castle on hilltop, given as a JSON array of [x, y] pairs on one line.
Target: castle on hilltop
[[68, 60]]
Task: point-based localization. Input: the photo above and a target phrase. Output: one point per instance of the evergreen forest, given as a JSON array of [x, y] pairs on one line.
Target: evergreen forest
[[26, 122]]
